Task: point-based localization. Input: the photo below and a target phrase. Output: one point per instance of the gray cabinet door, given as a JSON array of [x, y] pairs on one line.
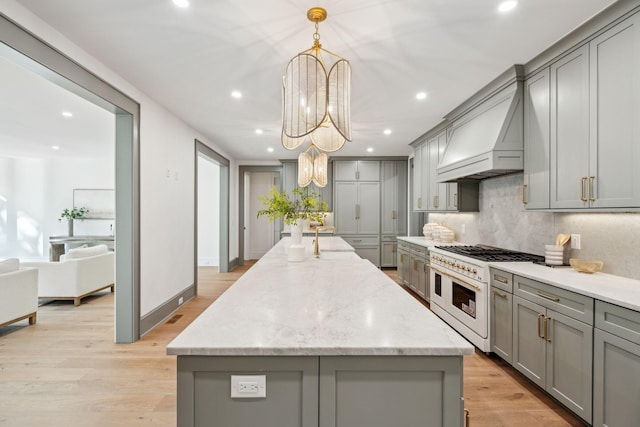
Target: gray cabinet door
[[394, 198], [404, 267], [289, 177], [345, 215], [616, 389], [536, 141], [437, 191], [501, 306], [368, 200], [569, 159], [389, 254], [420, 188], [528, 346], [345, 170], [615, 111], [569, 362], [368, 170], [419, 276]]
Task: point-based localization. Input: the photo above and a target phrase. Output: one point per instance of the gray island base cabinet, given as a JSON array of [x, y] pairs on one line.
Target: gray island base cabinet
[[323, 391], [332, 340]]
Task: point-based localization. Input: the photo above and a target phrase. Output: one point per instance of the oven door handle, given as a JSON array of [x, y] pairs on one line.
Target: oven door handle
[[477, 288]]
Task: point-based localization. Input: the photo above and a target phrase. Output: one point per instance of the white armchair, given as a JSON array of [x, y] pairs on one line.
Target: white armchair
[[80, 273], [18, 292]]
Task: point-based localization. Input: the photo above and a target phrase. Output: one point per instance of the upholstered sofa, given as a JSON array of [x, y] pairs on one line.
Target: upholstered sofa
[[18, 292], [80, 273]]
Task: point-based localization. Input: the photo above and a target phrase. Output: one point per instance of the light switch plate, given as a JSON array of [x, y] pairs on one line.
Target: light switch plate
[[575, 241], [248, 386]]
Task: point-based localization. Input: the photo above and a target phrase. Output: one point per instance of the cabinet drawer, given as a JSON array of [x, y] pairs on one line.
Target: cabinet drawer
[[569, 303], [502, 280], [403, 245], [618, 321], [358, 241], [388, 238], [418, 250]]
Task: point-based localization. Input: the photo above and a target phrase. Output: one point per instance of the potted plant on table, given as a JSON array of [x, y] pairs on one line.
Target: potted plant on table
[[303, 207], [70, 215]]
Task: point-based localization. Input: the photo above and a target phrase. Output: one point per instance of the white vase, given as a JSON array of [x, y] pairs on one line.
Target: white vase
[[296, 232], [296, 250]]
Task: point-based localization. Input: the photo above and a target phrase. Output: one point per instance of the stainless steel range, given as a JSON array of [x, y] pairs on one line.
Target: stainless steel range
[[459, 285]]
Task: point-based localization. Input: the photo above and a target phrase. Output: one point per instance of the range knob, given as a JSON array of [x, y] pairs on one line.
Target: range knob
[[474, 271]]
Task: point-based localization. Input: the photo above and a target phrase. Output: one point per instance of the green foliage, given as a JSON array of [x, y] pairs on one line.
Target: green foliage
[[75, 213], [303, 206]]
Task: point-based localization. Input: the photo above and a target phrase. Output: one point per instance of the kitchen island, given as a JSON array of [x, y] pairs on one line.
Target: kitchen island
[[330, 341]]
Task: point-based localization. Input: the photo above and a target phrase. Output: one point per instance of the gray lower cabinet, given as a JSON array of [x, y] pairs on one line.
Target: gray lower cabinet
[[367, 247], [501, 314], [388, 251], [616, 366], [331, 391], [553, 342], [404, 263]]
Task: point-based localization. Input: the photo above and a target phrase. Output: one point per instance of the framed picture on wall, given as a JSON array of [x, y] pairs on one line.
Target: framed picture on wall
[[100, 202]]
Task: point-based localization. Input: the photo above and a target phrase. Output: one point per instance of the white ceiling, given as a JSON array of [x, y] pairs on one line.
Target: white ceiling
[[191, 59]]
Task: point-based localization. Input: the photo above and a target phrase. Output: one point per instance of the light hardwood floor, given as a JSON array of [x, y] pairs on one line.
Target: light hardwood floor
[[66, 371]]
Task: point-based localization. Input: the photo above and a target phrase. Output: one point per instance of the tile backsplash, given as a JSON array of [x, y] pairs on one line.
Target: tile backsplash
[[613, 238]]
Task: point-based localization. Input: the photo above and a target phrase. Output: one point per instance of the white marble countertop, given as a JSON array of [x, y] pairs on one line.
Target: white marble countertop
[[617, 290], [319, 307], [423, 241]]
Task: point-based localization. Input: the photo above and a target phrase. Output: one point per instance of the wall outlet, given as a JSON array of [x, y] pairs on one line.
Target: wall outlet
[[248, 386], [180, 300], [575, 241]]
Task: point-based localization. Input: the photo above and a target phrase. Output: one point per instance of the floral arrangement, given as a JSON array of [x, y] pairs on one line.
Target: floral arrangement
[[303, 206], [75, 213]]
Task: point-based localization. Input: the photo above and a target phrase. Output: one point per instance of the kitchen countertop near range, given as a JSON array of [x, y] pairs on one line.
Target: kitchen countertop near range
[[616, 290]]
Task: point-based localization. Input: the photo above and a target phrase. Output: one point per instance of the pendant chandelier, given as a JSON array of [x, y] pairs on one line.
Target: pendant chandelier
[[316, 103], [312, 167]]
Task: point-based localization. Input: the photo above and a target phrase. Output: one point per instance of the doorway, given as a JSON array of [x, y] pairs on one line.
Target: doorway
[[245, 198], [23, 48], [212, 210], [261, 234]]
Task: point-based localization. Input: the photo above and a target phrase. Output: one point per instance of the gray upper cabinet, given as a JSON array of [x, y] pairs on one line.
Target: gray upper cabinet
[[570, 130], [394, 198], [594, 126], [420, 188], [356, 170], [614, 176], [438, 192], [535, 193]]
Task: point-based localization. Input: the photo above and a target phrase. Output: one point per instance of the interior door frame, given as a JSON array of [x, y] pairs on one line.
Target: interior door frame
[[241, 172], [21, 46], [223, 249]]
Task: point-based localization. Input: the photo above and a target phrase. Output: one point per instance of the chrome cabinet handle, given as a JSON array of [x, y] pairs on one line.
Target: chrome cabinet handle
[[500, 294], [549, 297]]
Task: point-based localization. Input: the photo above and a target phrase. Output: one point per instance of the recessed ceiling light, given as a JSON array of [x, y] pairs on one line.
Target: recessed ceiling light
[[67, 113], [270, 149], [421, 95], [181, 3], [387, 132], [236, 94], [506, 6], [370, 150], [55, 147], [259, 131]]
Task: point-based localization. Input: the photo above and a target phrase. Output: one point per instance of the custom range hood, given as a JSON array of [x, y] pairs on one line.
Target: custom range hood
[[486, 137]]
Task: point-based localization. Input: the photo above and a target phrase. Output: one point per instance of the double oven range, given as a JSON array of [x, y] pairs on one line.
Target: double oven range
[[459, 286]]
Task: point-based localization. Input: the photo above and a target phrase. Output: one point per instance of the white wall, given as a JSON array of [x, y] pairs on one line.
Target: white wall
[[33, 194], [167, 204], [208, 212], [502, 221]]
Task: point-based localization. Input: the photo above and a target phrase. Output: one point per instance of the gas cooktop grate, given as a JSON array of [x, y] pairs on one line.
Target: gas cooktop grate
[[492, 254]]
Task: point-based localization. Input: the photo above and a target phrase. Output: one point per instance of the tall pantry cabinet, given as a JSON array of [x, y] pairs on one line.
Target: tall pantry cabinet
[[370, 198]]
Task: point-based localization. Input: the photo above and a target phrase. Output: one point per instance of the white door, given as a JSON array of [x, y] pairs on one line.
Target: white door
[[260, 232]]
